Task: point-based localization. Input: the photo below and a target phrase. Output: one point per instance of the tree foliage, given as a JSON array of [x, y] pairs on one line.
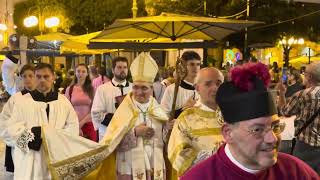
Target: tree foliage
[[82, 16], [79, 16], [267, 11], [46, 8]]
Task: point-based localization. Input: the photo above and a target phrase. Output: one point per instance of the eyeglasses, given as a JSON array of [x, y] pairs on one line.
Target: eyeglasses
[[260, 131]]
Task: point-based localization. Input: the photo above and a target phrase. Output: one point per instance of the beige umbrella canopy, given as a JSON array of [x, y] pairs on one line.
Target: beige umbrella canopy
[[78, 45], [172, 26], [53, 37]]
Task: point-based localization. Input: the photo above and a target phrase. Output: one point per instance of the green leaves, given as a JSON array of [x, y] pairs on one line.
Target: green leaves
[[44, 8], [82, 16]]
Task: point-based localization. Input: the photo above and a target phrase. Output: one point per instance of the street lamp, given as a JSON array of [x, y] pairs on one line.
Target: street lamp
[[3, 37], [3, 27], [287, 46], [32, 21], [52, 22], [134, 8]]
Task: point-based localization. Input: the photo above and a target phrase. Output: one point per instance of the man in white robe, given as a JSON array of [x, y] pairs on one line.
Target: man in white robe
[[132, 147], [41, 107], [196, 133], [110, 95], [28, 80], [140, 153], [187, 95]]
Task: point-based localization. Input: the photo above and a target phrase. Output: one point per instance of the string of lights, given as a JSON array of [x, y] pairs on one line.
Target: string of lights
[[285, 21]]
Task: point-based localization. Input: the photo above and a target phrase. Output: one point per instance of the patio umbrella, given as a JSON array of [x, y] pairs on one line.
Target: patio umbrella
[[71, 46], [53, 37], [78, 45], [171, 27], [303, 61], [146, 46]]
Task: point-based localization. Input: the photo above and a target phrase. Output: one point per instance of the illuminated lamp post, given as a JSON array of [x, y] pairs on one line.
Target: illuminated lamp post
[[31, 21], [287, 45], [4, 35], [134, 8]]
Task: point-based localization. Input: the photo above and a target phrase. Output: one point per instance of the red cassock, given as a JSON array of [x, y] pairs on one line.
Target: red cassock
[[220, 167]]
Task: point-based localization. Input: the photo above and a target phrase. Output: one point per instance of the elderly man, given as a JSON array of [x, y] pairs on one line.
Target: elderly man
[[199, 125], [251, 132], [304, 104], [41, 107], [139, 154]]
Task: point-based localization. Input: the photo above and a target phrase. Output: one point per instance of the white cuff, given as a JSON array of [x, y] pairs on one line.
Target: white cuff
[[26, 137]]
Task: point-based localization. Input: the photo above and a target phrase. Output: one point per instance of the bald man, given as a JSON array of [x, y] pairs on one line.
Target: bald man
[[196, 133]]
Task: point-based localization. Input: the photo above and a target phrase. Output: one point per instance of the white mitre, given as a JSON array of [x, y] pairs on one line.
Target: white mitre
[[144, 68]]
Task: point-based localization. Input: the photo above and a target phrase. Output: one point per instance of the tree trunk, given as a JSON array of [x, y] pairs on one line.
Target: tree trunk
[[286, 53]]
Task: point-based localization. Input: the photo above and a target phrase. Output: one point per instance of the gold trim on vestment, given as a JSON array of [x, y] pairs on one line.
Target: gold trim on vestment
[[206, 132], [143, 78], [54, 176], [81, 156], [191, 157], [91, 162], [187, 164], [177, 150], [141, 65], [193, 123], [198, 111], [53, 167]]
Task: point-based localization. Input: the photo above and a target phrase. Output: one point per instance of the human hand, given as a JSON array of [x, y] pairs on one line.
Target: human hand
[[85, 120], [190, 103], [281, 87], [170, 124], [144, 131]]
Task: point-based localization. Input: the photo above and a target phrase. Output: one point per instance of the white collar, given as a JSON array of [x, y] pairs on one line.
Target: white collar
[[117, 83], [234, 161], [141, 106], [203, 106]]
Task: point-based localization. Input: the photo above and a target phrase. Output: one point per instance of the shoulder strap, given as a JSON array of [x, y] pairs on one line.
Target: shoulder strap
[[307, 123]]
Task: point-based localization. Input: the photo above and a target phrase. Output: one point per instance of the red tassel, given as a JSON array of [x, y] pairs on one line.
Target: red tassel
[[243, 76]]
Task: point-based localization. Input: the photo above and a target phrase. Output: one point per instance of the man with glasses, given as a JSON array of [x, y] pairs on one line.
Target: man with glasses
[[304, 104], [41, 107], [251, 132]]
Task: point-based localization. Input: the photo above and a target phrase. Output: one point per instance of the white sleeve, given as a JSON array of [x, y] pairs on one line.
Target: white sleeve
[[98, 109], [4, 118], [14, 131], [10, 79], [72, 122], [166, 101]]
